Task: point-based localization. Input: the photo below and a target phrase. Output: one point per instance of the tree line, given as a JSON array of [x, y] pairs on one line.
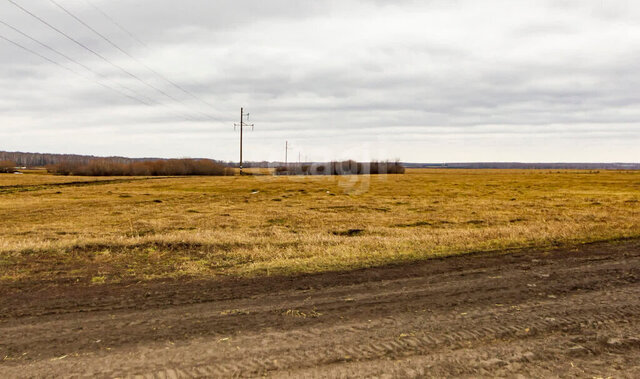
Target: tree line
[[41, 160]]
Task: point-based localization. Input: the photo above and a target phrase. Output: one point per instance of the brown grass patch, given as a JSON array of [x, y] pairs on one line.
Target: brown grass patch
[[208, 226]]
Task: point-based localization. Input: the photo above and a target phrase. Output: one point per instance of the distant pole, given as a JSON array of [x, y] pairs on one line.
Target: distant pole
[[242, 125], [286, 153]]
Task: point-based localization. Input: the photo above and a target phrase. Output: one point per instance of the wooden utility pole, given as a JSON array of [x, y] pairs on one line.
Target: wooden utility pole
[[242, 125]]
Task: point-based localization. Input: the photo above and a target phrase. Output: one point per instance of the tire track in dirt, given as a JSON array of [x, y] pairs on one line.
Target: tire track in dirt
[[227, 316], [528, 313], [389, 348], [553, 357], [393, 347]]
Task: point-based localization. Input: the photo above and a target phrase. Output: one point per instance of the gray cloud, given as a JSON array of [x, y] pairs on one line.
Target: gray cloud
[[416, 80]]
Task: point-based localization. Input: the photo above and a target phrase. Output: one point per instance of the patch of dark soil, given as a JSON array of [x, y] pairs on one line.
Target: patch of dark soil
[[348, 232]]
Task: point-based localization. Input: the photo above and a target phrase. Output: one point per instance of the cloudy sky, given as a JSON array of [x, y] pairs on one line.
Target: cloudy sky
[[421, 81]]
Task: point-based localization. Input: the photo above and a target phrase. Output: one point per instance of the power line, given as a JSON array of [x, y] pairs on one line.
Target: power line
[[83, 46], [113, 44], [181, 88], [147, 100], [143, 101], [116, 23], [69, 69]]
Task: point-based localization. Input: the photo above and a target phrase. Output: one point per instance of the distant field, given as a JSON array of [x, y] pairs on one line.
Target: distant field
[[207, 226]]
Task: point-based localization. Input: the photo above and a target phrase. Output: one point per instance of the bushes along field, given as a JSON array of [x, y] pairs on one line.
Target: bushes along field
[[165, 167]]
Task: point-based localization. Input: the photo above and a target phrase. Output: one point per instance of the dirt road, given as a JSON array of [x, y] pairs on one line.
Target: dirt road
[[530, 313]]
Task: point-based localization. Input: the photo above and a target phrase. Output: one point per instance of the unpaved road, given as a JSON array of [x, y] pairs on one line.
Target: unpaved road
[[530, 313]]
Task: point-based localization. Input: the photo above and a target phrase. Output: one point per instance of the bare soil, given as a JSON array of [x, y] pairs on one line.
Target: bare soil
[[562, 313]]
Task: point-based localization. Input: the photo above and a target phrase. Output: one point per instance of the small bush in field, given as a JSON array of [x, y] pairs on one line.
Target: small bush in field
[[7, 167]]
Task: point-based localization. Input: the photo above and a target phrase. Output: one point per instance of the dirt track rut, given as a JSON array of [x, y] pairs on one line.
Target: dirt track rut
[[531, 313]]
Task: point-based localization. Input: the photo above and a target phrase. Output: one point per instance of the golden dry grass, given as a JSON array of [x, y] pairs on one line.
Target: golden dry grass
[[208, 226]]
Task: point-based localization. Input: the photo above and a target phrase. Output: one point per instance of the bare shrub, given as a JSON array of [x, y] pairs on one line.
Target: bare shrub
[[165, 167], [7, 167], [343, 168]]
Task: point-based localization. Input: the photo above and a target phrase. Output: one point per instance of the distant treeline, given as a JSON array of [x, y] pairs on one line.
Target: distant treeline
[[341, 168], [538, 166], [160, 167], [41, 160]]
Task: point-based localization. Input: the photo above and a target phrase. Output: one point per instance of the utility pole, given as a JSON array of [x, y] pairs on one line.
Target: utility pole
[[286, 153], [287, 147], [242, 125]]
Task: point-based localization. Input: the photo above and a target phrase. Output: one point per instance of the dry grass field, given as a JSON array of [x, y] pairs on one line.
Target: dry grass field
[[56, 229]]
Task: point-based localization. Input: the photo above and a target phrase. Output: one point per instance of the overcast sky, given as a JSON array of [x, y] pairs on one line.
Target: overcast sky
[[420, 81]]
